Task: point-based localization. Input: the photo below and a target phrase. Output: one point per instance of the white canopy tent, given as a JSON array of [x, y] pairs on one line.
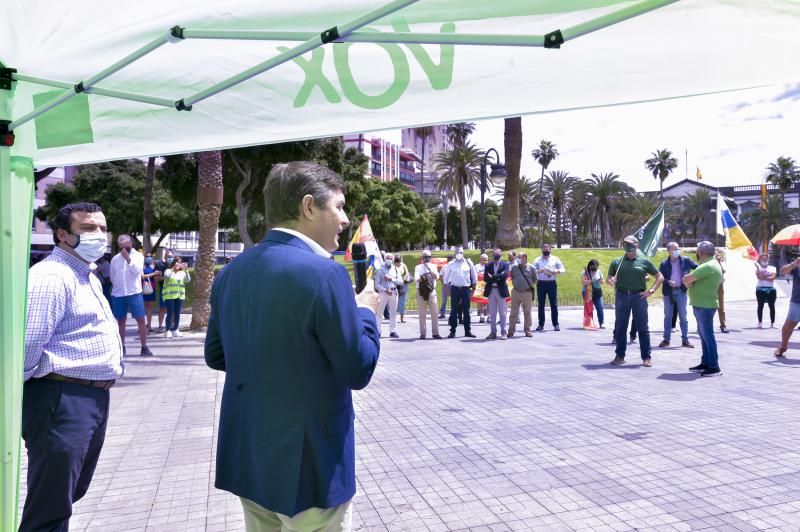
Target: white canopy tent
[[93, 83]]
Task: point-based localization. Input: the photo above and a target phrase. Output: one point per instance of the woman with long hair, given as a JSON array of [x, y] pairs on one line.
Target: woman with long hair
[[591, 279]]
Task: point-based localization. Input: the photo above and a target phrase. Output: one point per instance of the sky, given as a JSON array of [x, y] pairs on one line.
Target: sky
[[730, 137]]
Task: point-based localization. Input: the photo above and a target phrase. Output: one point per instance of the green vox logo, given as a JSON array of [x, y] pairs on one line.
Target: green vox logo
[[440, 75]]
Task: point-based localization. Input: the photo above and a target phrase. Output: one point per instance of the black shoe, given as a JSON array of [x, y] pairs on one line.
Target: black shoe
[[452, 334], [540, 328], [700, 367], [711, 372], [724, 330], [632, 340], [482, 320], [556, 328], [492, 336], [393, 335], [436, 337], [469, 335], [441, 316], [145, 352], [421, 336]]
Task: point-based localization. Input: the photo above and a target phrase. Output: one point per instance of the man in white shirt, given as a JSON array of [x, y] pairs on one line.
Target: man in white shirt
[[386, 281], [427, 274], [127, 267], [462, 278], [548, 267]]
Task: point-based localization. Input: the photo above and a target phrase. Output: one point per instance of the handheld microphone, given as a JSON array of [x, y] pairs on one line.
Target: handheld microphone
[[359, 253]]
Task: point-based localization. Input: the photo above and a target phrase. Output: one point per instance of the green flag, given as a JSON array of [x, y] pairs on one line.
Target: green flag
[[650, 233]]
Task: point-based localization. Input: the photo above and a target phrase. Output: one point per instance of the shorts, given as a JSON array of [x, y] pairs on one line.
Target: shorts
[[794, 312], [149, 297], [121, 306]]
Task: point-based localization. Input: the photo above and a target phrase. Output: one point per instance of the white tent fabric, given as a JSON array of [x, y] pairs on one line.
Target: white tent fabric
[[689, 47]]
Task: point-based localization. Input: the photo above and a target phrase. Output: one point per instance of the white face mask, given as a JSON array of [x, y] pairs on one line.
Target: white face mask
[[459, 256], [676, 253], [763, 263], [91, 246]]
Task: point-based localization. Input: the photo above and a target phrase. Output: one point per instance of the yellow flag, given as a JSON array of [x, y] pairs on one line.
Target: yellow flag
[[699, 174]]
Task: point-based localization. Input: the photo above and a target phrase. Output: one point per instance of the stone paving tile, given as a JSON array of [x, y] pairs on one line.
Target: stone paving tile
[[526, 434]]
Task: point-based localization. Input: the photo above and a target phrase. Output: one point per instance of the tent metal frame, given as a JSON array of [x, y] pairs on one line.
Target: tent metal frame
[[346, 33], [17, 179]]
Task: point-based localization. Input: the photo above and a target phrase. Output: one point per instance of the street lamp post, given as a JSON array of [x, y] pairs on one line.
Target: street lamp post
[[497, 176]]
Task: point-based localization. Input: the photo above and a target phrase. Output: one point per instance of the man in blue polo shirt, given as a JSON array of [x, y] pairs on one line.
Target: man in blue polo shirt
[[629, 275]]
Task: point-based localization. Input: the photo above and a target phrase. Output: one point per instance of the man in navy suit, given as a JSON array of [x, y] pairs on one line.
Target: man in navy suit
[[496, 290], [293, 342]]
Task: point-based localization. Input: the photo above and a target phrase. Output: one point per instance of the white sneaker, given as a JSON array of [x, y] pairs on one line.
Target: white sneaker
[[168, 334], [177, 332], [759, 325]]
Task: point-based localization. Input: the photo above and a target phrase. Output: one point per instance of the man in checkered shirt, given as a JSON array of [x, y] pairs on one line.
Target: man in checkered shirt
[[73, 355]]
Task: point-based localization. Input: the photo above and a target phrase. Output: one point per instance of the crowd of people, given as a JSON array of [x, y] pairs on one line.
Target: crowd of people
[[294, 342]]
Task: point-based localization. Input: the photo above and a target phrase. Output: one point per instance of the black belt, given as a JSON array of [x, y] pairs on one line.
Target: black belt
[[629, 291], [103, 385], [524, 290], [546, 281]]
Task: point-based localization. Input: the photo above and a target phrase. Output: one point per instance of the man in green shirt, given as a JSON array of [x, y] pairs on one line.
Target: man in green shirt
[[703, 283], [629, 275]]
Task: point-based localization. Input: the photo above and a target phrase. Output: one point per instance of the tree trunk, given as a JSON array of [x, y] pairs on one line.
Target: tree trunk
[[509, 235], [558, 226], [148, 204], [444, 223], [209, 199], [242, 203], [542, 217], [607, 229], [462, 199]]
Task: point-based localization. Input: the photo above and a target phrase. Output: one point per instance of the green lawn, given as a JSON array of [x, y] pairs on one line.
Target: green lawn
[[569, 284]]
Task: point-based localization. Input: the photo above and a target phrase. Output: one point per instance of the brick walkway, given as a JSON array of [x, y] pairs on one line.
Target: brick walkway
[[524, 434]]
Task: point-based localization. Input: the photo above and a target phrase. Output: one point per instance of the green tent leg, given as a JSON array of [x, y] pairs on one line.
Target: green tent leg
[[16, 211]]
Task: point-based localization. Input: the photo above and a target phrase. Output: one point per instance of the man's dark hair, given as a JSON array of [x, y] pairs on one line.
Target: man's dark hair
[[288, 183], [594, 263], [63, 219]]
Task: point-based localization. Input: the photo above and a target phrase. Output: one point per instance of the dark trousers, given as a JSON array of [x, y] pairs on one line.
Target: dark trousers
[[597, 302], [459, 306], [64, 426], [766, 296], [173, 313], [625, 306], [548, 289]]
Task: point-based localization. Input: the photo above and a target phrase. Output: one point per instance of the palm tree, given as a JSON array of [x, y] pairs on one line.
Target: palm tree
[[632, 212], [209, 200], [766, 222], [784, 173], [603, 191], [661, 164], [459, 177], [458, 133], [694, 208], [559, 186], [423, 133], [509, 234], [544, 155]]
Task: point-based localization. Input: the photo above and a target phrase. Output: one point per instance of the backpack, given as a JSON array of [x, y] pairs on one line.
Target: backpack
[[425, 285]]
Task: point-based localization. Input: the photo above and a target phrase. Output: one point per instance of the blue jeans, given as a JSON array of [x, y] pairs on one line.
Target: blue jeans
[[443, 305], [173, 313], [597, 301], [679, 297], [548, 289], [705, 328], [459, 305], [625, 305]]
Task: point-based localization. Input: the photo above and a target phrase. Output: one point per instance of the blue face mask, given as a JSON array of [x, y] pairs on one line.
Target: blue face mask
[[426, 259], [148, 260], [497, 257]]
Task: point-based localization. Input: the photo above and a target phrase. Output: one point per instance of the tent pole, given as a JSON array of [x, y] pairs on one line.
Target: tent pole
[[300, 49], [112, 93], [16, 211], [640, 8]]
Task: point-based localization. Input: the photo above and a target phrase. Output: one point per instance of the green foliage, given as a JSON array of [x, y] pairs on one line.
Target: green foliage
[[398, 216], [661, 164], [118, 187], [473, 223]]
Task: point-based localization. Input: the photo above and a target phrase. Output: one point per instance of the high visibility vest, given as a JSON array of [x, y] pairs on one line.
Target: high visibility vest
[[174, 286]]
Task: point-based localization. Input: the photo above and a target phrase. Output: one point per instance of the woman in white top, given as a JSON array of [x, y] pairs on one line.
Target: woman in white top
[[765, 288], [592, 279]]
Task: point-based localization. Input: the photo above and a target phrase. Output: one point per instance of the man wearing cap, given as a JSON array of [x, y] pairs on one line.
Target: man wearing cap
[[628, 274]]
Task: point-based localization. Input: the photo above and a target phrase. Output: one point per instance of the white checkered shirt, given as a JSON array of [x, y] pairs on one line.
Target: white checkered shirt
[[70, 328]]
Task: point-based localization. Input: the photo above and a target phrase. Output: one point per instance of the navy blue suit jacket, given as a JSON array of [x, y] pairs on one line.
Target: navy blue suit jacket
[[687, 265], [497, 279], [286, 330]]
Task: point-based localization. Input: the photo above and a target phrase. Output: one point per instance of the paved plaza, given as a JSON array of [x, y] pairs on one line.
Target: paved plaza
[[526, 434]]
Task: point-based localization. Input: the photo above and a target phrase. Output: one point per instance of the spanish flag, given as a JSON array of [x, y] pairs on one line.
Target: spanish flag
[[364, 235], [734, 235]]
